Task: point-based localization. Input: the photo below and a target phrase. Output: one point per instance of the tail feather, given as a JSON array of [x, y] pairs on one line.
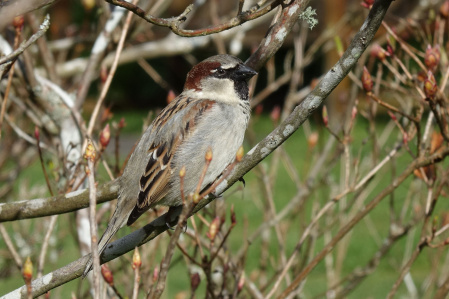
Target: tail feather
[[114, 225]]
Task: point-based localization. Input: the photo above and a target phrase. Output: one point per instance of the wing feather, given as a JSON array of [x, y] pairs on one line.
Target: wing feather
[[155, 182]]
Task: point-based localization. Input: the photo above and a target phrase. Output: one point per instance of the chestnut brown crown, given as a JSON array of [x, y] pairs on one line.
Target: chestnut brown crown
[[212, 74]]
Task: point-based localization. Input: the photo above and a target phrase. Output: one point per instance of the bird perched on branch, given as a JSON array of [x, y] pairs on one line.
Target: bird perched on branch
[[212, 112]]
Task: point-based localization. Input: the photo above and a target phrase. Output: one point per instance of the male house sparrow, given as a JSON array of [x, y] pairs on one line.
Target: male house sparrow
[[212, 112]]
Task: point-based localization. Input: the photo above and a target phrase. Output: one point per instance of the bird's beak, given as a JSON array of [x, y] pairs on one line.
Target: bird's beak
[[244, 72]]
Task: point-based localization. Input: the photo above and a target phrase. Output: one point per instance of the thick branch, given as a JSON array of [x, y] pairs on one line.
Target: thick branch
[[277, 34], [60, 204]]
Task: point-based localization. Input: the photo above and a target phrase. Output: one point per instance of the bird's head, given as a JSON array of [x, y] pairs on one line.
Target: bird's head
[[221, 77]]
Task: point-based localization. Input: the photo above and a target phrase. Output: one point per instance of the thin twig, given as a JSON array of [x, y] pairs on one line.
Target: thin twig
[[90, 156], [136, 266], [404, 46], [41, 262], [175, 22], [10, 246], [154, 74], [42, 29], [239, 10], [41, 158], [47, 56], [406, 268], [391, 107], [111, 73], [165, 263], [8, 84]]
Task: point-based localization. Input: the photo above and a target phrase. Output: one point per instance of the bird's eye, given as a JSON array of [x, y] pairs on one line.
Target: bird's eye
[[220, 71]]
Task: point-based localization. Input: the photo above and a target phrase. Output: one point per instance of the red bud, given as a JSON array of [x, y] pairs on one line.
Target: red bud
[[27, 270], [367, 3], [241, 283], [239, 155], [378, 52], [354, 112], [405, 137], [233, 218], [18, 22], [422, 76], [208, 155], [430, 86], [312, 140], [155, 274], [325, 116], [182, 172], [432, 57], [196, 198], [106, 115], [367, 81], [105, 136], [390, 49], [36, 133], [275, 113], [194, 281], [107, 274], [259, 109], [122, 123], [137, 262], [170, 96], [90, 153], [393, 117], [214, 227]]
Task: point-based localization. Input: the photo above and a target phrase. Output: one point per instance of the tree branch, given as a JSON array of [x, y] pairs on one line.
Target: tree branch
[[24, 45], [60, 204], [174, 22]]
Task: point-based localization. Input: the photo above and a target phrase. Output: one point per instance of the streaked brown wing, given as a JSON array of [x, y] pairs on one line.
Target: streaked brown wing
[[154, 183]]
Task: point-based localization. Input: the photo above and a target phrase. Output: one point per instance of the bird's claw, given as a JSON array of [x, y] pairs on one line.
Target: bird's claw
[[243, 181]]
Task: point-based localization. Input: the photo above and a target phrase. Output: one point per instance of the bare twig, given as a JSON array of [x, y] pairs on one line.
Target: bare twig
[[136, 266], [23, 46], [8, 84], [107, 84], [97, 54], [47, 56], [10, 246], [422, 244], [41, 263], [175, 22], [160, 286], [90, 156]]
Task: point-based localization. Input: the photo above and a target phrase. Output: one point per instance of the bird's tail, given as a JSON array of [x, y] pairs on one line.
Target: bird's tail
[[114, 225]]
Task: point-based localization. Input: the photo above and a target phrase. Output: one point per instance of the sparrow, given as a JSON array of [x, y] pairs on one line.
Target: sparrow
[[212, 112]]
